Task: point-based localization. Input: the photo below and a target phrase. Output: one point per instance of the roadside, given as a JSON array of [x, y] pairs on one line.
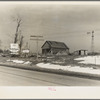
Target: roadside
[[74, 67]]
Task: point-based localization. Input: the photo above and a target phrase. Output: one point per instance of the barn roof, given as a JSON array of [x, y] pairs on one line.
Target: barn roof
[[55, 44]]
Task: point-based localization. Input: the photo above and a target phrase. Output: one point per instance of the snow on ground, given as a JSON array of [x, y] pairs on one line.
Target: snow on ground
[[16, 61], [28, 62], [57, 62], [86, 60], [89, 60], [70, 68], [19, 61]]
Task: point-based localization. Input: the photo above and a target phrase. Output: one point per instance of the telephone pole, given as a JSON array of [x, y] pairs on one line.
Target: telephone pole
[[37, 39]]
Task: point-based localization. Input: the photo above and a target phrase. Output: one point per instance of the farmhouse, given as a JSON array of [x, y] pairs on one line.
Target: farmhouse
[[54, 47]]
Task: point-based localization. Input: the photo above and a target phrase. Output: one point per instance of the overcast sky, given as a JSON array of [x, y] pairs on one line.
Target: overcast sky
[[63, 22]]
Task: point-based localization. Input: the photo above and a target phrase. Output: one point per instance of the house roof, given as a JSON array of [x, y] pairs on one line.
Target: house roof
[[55, 44]]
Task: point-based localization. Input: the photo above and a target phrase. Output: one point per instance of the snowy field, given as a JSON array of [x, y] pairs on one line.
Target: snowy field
[[89, 60], [19, 61], [85, 60], [70, 68]]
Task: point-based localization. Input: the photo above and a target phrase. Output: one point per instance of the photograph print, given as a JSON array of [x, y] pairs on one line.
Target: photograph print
[[49, 43]]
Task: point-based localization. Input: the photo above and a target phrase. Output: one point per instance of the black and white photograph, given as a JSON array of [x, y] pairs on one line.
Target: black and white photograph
[[49, 44]]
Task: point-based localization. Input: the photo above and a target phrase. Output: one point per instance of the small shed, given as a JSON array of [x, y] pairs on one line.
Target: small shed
[[81, 52], [54, 47]]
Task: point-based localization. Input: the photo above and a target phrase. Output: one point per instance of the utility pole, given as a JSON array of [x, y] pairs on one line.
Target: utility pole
[[92, 41], [37, 39]]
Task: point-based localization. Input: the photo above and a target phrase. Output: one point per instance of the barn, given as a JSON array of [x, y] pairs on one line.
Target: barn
[[54, 47]]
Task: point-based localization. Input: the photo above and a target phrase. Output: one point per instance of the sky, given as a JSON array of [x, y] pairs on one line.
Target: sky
[[57, 21]]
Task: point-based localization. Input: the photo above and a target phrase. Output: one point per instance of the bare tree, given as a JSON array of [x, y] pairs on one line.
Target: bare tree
[[18, 36], [21, 42], [18, 20]]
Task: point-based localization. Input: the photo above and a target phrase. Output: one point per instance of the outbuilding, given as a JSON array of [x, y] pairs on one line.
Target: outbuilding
[[81, 52], [54, 47]]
